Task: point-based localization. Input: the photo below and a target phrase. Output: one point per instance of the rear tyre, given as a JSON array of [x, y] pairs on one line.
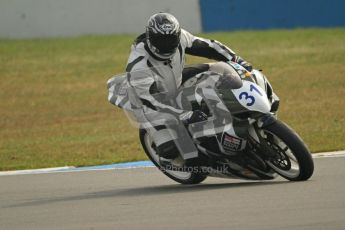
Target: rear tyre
[[292, 159], [180, 177]]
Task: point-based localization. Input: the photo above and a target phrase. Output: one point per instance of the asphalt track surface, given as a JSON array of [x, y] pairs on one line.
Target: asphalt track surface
[[144, 198]]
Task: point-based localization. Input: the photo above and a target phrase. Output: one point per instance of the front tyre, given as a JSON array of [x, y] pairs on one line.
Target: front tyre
[[289, 156], [178, 176]]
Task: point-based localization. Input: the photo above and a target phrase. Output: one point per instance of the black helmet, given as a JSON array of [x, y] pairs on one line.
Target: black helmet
[[163, 35]]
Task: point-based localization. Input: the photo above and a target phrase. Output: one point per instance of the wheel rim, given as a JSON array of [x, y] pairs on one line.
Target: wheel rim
[[177, 174], [284, 163]]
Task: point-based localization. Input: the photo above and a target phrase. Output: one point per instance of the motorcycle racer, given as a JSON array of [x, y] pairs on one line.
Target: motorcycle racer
[[165, 43]]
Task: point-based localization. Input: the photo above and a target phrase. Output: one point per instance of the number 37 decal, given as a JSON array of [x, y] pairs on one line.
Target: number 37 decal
[[249, 98]]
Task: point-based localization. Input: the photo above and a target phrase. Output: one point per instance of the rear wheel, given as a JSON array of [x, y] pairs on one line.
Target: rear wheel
[[289, 156], [178, 176]]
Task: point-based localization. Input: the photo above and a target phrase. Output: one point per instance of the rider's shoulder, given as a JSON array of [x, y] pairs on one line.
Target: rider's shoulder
[[140, 39], [185, 33], [138, 44], [186, 38], [138, 50]]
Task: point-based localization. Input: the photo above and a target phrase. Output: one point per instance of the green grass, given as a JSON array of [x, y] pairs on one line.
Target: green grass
[[53, 99]]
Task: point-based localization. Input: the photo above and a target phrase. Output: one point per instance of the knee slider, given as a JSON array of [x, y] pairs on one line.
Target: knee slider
[[165, 144], [168, 150]]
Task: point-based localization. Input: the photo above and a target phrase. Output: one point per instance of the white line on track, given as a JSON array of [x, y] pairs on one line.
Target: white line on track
[[329, 154], [130, 165]]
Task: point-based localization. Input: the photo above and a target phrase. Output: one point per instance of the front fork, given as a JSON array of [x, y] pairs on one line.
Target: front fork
[[255, 138]]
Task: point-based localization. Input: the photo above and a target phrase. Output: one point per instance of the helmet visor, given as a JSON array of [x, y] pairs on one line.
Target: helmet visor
[[165, 44]]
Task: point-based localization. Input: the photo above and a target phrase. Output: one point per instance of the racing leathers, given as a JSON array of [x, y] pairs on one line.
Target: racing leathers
[[155, 82]]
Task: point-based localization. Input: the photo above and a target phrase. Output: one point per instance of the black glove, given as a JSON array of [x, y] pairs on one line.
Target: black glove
[[193, 117], [247, 66], [244, 64]]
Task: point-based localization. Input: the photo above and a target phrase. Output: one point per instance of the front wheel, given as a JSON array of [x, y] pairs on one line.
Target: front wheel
[[289, 156], [178, 176]]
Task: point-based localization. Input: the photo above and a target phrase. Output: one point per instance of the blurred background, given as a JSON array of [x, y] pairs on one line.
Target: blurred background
[[56, 56], [49, 18]]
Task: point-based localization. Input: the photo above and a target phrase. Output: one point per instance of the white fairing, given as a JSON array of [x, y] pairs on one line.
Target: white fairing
[[252, 97], [260, 78]]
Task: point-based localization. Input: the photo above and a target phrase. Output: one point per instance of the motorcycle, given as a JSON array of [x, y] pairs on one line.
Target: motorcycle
[[246, 139]]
